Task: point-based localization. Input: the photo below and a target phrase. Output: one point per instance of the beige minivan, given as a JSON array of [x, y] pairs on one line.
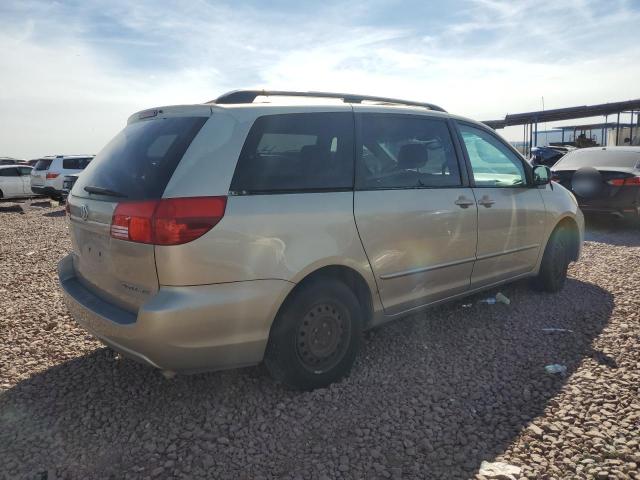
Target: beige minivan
[[262, 227]]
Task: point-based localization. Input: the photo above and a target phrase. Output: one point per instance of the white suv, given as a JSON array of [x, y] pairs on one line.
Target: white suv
[[49, 172], [14, 181]]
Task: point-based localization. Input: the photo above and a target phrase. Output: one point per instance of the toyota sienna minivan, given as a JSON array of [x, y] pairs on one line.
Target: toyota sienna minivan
[[258, 228]]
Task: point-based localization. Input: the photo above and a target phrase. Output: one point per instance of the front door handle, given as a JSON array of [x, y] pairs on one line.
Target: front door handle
[[463, 202], [486, 201]]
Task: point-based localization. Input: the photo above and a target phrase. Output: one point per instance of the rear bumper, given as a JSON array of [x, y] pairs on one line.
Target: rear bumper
[[183, 329], [618, 210], [44, 190], [625, 202]]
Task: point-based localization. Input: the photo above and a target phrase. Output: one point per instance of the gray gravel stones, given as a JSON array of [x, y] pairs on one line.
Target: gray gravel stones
[[430, 397]]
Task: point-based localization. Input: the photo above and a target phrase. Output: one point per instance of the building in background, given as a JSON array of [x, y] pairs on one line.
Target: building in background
[[595, 134]]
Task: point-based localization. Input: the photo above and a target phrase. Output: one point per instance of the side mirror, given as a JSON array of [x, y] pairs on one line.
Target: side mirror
[[541, 175]]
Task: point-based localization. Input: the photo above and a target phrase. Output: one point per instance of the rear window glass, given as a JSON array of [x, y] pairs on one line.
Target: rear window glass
[[75, 163], [297, 152], [43, 164], [140, 160], [599, 158]]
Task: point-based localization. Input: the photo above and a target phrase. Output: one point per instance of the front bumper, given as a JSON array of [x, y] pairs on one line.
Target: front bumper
[[183, 329]]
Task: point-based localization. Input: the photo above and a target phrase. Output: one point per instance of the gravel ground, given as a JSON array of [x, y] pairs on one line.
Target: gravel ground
[[430, 397]]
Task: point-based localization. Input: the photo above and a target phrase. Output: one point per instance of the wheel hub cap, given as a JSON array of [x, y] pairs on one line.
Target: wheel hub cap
[[321, 336]]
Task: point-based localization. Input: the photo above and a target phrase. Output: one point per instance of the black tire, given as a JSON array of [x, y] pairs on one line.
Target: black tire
[[555, 262], [316, 336]]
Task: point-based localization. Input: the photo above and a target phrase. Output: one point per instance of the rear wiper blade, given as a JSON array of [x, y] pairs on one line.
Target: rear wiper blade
[[103, 191]]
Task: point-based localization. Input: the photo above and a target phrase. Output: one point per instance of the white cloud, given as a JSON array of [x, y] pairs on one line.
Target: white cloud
[[69, 83]]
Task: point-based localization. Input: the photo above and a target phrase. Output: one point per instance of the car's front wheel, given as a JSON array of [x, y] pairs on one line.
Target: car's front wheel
[[316, 336], [555, 262]]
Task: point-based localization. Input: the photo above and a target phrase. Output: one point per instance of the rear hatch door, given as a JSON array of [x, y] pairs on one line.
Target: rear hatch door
[[39, 172], [136, 165]]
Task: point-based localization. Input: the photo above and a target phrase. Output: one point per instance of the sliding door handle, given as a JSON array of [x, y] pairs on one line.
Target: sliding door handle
[[486, 201], [463, 202]]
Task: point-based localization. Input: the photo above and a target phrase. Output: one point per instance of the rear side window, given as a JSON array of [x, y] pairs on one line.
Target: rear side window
[[297, 152], [9, 172], [140, 160], [43, 164], [403, 151], [75, 163]]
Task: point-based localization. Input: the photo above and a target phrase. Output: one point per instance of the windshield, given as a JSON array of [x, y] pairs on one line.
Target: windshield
[[140, 160], [599, 158], [43, 164]]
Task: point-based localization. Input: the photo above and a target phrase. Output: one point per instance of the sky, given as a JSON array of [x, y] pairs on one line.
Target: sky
[[73, 71]]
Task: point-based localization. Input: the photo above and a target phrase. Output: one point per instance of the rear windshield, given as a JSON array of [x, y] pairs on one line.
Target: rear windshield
[[75, 163], [598, 158], [139, 161], [43, 164]]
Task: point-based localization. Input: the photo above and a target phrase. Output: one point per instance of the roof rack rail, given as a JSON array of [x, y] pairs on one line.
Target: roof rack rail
[[248, 96]]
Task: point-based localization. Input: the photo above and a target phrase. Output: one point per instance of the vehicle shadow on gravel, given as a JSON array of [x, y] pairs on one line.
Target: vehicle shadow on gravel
[[431, 396], [57, 213], [10, 208]]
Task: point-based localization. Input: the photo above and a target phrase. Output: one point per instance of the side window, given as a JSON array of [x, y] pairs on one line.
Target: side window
[[297, 152], [9, 172], [492, 163], [70, 163], [80, 163], [402, 151]]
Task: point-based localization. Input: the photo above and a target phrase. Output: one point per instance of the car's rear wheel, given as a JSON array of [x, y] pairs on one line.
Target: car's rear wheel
[[555, 262], [316, 336]]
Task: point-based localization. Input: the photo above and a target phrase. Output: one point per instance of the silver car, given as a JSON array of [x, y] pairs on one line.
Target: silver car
[[223, 234]]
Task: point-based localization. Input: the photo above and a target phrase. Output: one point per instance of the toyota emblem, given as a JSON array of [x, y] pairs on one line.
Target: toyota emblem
[[84, 212]]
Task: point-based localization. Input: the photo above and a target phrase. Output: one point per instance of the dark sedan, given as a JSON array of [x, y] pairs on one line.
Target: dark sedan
[[603, 179], [547, 155]]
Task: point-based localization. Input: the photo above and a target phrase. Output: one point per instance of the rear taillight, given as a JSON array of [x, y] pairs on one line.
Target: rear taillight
[[629, 181], [170, 221], [51, 176], [132, 221]]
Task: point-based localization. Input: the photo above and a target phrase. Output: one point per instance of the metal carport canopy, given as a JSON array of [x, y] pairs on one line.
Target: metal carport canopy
[[584, 111]]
